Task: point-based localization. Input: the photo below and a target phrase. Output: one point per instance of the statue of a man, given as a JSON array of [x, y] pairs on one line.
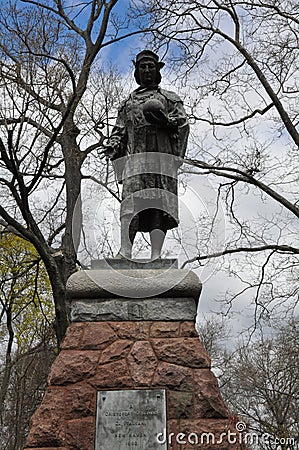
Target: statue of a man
[[146, 146]]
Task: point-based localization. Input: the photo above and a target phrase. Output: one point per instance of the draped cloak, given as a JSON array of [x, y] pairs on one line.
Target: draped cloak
[[146, 156]]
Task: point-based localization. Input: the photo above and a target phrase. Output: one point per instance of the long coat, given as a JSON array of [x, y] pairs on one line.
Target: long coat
[[146, 156]]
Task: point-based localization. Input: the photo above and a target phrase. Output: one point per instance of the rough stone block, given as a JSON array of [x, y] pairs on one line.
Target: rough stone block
[[142, 363], [80, 401], [73, 366], [164, 329], [116, 350], [131, 330], [112, 375], [180, 405], [187, 329], [73, 336], [181, 351], [174, 377], [47, 425], [154, 309], [50, 433], [80, 433], [208, 401], [97, 336]]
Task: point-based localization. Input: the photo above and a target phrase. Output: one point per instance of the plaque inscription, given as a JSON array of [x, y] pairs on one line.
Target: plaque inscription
[[130, 419]]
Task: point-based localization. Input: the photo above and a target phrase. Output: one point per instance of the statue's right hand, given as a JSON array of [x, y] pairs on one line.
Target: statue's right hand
[[107, 152]]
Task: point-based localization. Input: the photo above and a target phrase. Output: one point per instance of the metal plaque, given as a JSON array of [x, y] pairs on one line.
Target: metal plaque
[[131, 420]]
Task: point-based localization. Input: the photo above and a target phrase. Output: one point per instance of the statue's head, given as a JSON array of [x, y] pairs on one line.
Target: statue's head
[[147, 68]]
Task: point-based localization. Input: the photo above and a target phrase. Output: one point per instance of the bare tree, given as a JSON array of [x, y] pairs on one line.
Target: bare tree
[[258, 379], [260, 385], [213, 334], [27, 385]]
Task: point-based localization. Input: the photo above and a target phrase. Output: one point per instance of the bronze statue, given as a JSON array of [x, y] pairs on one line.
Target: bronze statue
[[146, 146]]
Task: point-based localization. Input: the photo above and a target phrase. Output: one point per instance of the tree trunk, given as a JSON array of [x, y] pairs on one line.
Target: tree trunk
[[8, 362], [73, 161], [62, 266]]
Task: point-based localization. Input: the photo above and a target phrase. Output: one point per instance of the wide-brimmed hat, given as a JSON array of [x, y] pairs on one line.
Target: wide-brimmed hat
[[148, 54]]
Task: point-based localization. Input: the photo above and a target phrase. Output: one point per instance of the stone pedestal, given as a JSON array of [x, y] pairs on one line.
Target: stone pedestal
[[118, 342]]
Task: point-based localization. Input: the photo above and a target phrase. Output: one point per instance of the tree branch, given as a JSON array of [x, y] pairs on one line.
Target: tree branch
[[268, 88], [234, 122], [29, 120], [239, 175], [262, 248], [96, 180]]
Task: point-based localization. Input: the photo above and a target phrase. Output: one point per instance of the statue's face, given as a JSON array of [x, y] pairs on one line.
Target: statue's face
[[147, 72]]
